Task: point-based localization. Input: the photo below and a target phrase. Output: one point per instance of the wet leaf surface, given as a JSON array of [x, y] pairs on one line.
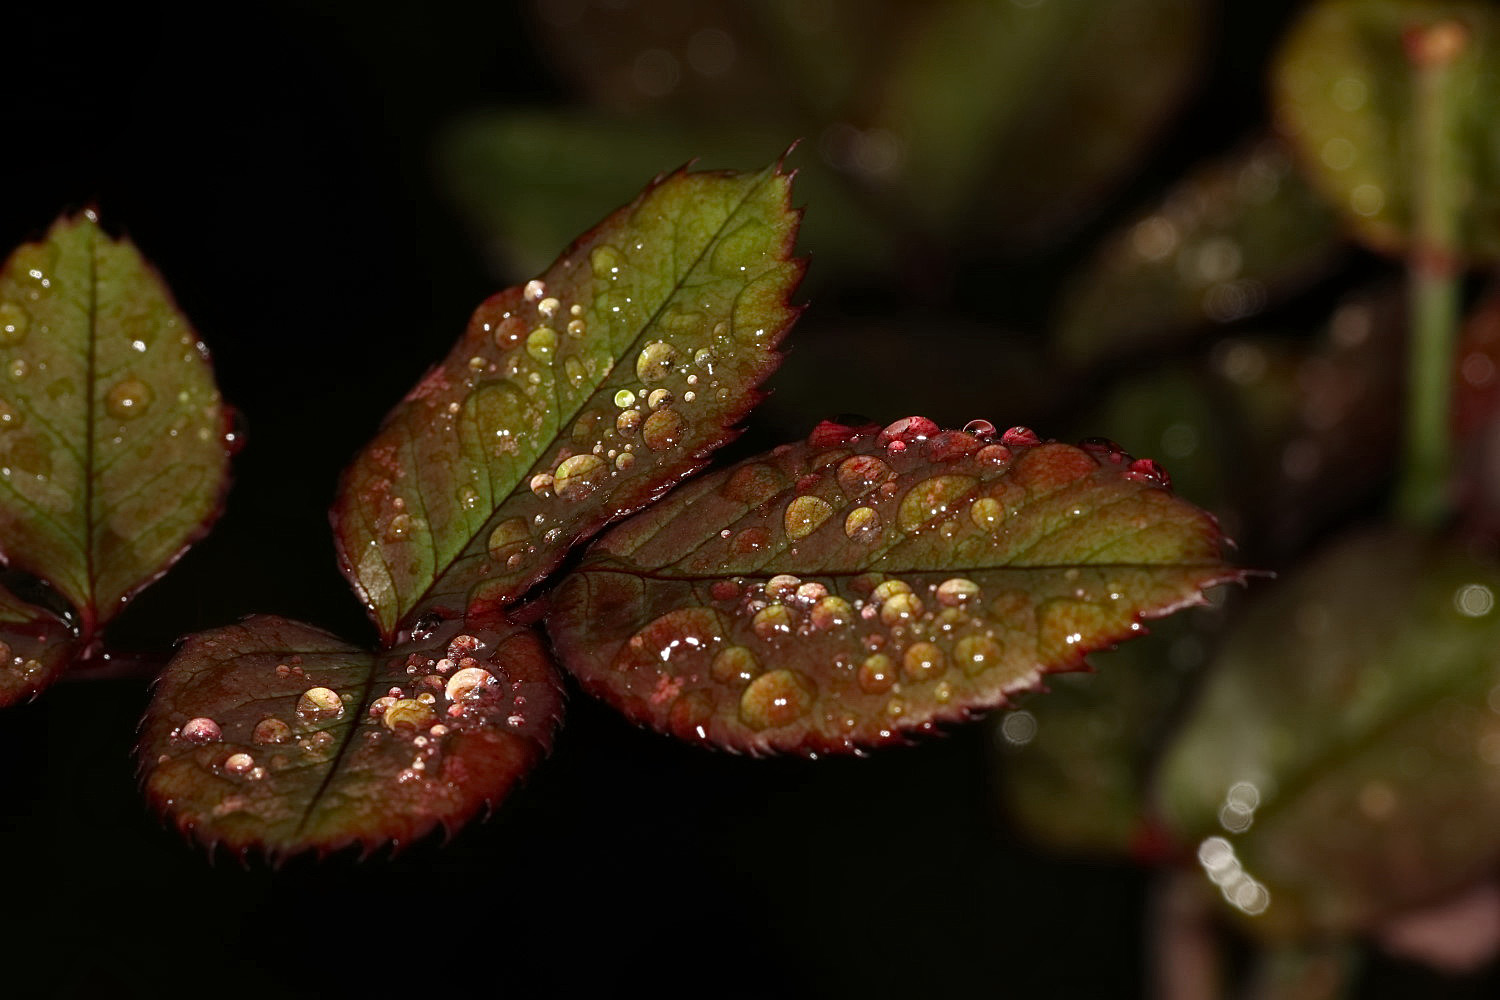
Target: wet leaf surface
[[107, 405], [35, 648], [860, 586], [574, 399], [1344, 762], [1343, 93], [276, 736], [1222, 245]]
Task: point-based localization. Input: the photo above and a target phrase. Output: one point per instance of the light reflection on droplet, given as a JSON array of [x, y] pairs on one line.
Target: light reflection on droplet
[[1473, 600]]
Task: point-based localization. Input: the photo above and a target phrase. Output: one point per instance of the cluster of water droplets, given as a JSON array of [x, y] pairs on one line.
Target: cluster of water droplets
[[856, 657], [25, 666]]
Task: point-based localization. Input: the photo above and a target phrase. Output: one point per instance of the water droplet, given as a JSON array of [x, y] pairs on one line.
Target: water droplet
[[606, 262], [782, 586], [535, 289], [541, 344], [735, 665], [659, 398], [752, 485], [548, 307], [468, 496], [319, 703], [987, 513], [957, 591], [776, 699], [976, 653], [749, 540], [862, 473], [18, 369], [923, 661], [655, 361], [624, 460], [10, 417], [128, 399], [662, 430], [628, 422], [200, 730], [624, 398], [804, 515], [271, 730], [862, 524], [467, 683], [907, 429], [931, 499], [876, 674], [831, 612], [769, 622], [398, 527], [13, 323], [980, 428], [508, 538], [408, 714], [541, 483], [575, 370], [1019, 436], [239, 763], [579, 476], [900, 608]]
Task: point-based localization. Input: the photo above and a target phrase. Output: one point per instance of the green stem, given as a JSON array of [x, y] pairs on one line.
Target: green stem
[[1433, 275]]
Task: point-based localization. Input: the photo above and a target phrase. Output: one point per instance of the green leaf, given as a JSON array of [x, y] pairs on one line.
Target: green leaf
[[276, 735], [108, 405], [35, 648], [860, 586], [1222, 245], [574, 400], [1343, 87], [1342, 764]]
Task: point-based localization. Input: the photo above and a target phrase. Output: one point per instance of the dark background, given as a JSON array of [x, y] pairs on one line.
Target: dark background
[[277, 169]]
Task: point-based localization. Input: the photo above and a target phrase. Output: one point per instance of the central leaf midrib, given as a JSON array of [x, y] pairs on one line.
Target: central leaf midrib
[[677, 286], [88, 612]]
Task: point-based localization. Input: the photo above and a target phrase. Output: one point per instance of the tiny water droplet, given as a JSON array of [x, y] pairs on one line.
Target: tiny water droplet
[[606, 262], [398, 527], [239, 763], [541, 483], [18, 369], [128, 399], [10, 417], [14, 322], [624, 399]]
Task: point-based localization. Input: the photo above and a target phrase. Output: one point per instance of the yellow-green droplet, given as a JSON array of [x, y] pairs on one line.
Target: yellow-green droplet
[[575, 371], [923, 661], [862, 524], [655, 361], [579, 476], [606, 262], [930, 499], [541, 344], [900, 608], [876, 674], [805, 514], [128, 399], [831, 612], [987, 513], [10, 416], [319, 703], [735, 665], [956, 591], [769, 622], [271, 730], [408, 714], [976, 653], [13, 323], [624, 398], [776, 699]]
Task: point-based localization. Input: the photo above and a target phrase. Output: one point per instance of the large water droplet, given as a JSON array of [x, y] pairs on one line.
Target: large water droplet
[[398, 527], [408, 714], [509, 538], [930, 499], [271, 730], [541, 344], [862, 524], [663, 429], [804, 515], [862, 473], [579, 476], [772, 621], [128, 399], [900, 608], [987, 513], [14, 322], [776, 699], [655, 361], [319, 703], [956, 591], [830, 612], [468, 682], [200, 730]]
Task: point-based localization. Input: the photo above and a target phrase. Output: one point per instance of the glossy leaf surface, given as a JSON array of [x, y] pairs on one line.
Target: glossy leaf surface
[[34, 649], [278, 736], [1343, 87], [1344, 761], [853, 588], [107, 406], [1222, 245], [573, 400]]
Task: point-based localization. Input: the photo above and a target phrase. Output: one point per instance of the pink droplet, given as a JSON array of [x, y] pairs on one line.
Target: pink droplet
[[1018, 436]]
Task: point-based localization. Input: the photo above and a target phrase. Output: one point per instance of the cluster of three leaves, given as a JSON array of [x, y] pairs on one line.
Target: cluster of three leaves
[[832, 594]]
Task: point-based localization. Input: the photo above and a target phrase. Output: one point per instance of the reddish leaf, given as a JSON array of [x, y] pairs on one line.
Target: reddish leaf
[[110, 405], [276, 735], [820, 598], [574, 400], [34, 649]]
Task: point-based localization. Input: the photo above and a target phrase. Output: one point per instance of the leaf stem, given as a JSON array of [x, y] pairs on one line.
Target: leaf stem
[[1433, 273]]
